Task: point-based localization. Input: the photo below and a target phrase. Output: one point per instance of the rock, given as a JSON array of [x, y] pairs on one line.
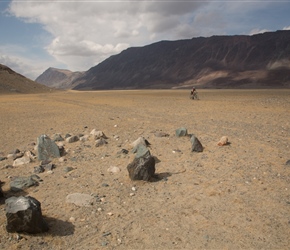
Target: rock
[[101, 142], [3, 158], [24, 215], [68, 169], [81, 200], [38, 169], [181, 132], [140, 140], [288, 163], [57, 137], [21, 161], [123, 151], [98, 134], [17, 155], [46, 148], [84, 138], [142, 168], [161, 134], [72, 139], [141, 151], [21, 183], [196, 145], [223, 141], [113, 169]]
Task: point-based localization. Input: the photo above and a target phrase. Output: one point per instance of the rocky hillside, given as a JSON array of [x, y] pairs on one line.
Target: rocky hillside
[[58, 78], [261, 60], [12, 82]]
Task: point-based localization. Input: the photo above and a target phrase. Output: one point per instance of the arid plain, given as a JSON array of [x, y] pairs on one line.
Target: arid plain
[[230, 197]]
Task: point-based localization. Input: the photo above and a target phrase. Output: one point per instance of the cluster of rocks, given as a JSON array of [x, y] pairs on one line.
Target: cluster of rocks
[[24, 213]]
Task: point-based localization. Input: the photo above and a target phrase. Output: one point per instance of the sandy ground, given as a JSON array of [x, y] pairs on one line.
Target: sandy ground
[[230, 197]]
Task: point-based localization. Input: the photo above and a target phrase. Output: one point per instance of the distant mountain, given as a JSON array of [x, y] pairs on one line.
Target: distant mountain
[[58, 78], [258, 61], [12, 82]]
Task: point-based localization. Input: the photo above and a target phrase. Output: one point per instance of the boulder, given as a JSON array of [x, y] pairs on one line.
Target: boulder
[[46, 148], [21, 183], [24, 215], [181, 132], [142, 168], [195, 144]]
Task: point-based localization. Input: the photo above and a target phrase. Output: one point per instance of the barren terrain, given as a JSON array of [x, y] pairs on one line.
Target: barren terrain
[[229, 197]]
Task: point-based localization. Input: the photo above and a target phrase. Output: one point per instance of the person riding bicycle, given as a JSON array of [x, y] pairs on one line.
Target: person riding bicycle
[[192, 91]]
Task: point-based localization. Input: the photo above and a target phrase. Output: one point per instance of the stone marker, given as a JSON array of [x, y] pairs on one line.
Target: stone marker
[[46, 148], [142, 168], [196, 145], [24, 215]]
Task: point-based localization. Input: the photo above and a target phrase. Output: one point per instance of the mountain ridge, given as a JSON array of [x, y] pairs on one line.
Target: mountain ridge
[[239, 61]]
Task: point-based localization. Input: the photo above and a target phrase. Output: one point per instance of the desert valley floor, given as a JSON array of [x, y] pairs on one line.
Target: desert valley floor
[[226, 197]]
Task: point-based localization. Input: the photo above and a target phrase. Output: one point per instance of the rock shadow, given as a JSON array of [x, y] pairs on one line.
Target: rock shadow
[[160, 177], [59, 227]]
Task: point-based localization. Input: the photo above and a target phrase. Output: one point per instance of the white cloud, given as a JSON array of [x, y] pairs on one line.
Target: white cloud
[[286, 28], [85, 33]]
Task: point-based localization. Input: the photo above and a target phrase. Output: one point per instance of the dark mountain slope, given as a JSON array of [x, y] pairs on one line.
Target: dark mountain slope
[[218, 61]]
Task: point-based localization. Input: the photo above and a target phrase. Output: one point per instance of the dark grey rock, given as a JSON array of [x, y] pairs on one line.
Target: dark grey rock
[[195, 144], [24, 215], [21, 183], [181, 132], [67, 136], [3, 158], [46, 148], [142, 168], [288, 163]]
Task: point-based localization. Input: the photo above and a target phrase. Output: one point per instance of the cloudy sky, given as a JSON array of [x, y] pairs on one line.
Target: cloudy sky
[[79, 34]]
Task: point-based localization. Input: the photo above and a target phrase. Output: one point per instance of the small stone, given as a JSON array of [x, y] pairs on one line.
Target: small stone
[[113, 169], [110, 214], [132, 194], [288, 163], [72, 219], [105, 185], [223, 141], [100, 209], [134, 188]]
